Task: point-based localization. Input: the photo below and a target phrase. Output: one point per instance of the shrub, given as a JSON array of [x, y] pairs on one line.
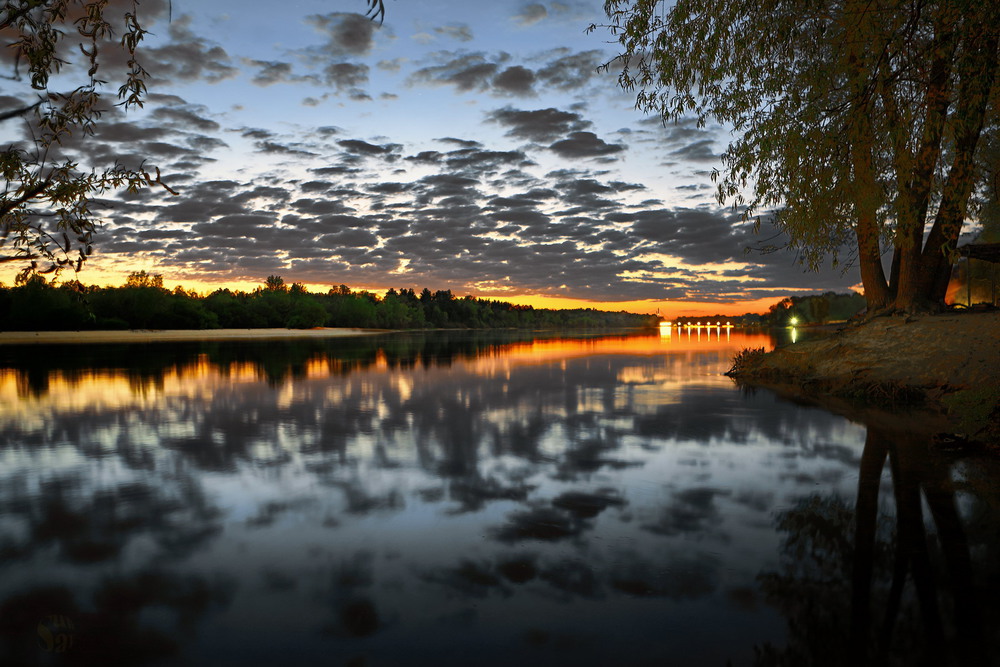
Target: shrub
[[745, 360]]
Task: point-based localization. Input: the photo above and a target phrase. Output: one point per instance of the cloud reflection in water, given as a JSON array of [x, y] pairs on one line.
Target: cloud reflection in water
[[426, 497]]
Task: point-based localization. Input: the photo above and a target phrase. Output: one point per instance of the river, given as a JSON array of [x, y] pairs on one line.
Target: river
[[473, 498]]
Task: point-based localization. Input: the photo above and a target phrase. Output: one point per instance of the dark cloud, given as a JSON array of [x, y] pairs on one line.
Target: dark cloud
[[571, 71], [188, 57], [583, 145], [515, 80], [563, 70], [358, 147], [541, 125], [185, 117], [346, 75], [347, 34], [256, 133], [277, 148], [463, 143], [699, 151], [270, 72], [467, 72]]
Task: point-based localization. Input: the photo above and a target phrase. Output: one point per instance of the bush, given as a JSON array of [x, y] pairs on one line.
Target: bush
[[745, 360]]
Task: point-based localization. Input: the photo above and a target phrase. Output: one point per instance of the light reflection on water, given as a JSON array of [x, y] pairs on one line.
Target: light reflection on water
[[452, 499]]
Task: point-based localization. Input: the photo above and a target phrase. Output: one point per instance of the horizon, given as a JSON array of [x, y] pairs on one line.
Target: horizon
[[666, 311]]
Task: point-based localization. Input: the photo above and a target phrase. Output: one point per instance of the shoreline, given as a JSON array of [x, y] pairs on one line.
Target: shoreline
[[174, 335], [947, 365]]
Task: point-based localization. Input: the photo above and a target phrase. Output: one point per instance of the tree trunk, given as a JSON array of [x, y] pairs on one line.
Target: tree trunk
[[977, 73], [866, 208], [915, 184], [859, 33]]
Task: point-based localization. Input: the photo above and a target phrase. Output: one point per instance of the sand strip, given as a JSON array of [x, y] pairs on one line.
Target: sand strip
[[172, 335]]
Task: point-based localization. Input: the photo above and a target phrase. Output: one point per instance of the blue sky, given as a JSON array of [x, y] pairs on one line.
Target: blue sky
[[464, 146]]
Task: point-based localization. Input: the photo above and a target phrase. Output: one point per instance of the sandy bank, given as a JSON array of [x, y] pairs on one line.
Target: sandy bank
[[948, 364], [172, 335]]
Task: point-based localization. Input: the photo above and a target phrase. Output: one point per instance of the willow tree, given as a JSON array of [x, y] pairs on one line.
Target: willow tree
[[60, 54], [854, 122], [46, 221]]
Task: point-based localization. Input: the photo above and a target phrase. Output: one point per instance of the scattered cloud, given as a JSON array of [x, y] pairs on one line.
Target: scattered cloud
[[531, 14]]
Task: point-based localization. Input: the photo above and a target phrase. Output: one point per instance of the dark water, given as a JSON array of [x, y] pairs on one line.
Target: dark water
[[473, 499]]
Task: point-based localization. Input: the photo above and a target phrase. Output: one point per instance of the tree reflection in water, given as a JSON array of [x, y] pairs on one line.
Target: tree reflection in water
[[892, 582]]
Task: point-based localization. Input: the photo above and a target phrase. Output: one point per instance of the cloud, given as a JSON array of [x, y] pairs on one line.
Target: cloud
[[584, 145], [473, 217], [541, 125], [346, 75], [699, 151], [277, 148], [530, 14], [467, 72], [358, 147], [346, 33], [188, 57], [516, 80], [270, 72], [571, 71], [459, 31], [185, 116]]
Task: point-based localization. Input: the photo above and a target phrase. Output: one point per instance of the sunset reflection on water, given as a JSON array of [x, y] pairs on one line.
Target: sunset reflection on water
[[120, 387]]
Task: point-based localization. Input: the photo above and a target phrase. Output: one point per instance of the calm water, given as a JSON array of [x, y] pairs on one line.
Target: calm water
[[473, 499]]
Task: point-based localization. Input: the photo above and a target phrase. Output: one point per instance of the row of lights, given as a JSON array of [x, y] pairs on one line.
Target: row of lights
[[699, 325], [792, 322]]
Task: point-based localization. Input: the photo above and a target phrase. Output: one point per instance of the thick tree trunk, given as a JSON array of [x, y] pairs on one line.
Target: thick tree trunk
[[915, 184], [977, 73]]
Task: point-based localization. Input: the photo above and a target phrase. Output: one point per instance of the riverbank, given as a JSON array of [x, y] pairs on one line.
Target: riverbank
[[947, 365], [172, 335]]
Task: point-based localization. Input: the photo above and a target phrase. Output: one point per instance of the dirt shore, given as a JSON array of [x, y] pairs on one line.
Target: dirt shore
[[947, 365], [171, 335]]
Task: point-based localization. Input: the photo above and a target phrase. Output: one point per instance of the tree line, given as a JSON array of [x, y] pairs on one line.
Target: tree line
[[144, 303], [807, 310]]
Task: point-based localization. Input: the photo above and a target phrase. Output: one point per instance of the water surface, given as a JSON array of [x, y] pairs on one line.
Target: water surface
[[472, 498]]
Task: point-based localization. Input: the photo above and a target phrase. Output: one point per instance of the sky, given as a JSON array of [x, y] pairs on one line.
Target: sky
[[465, 146]]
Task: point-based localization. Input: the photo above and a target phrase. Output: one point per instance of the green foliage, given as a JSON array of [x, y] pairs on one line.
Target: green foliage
[[275, 284], [143, 279]]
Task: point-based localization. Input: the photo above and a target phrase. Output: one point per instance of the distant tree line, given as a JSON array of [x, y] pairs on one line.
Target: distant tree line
[[812, 309], [815, 309], [144, 303]]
